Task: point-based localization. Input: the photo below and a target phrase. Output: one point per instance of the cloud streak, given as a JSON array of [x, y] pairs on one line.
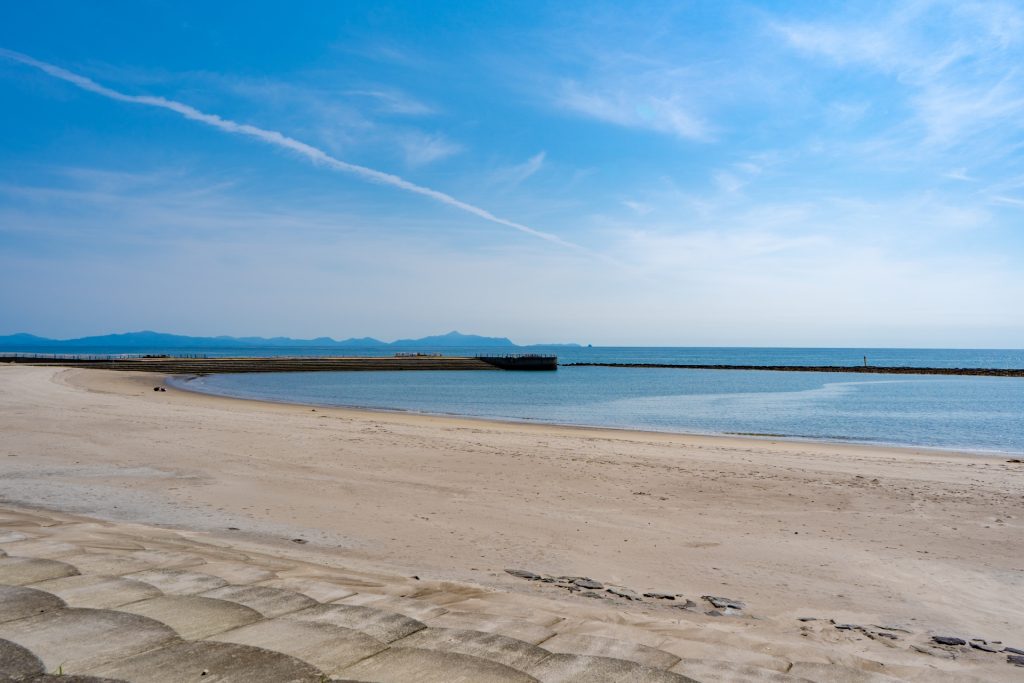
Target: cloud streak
[[313, 154]]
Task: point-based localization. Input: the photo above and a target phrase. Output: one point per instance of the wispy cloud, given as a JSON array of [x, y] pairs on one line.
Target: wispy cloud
[[425, 148], [517, 173], [394, 102], [636, 107], [956, 64], [277, 139]]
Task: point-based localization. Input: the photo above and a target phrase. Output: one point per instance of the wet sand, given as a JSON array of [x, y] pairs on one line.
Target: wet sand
[[930, 541]]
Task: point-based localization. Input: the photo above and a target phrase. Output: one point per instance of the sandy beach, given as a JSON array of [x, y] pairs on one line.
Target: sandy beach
[[929, 542]]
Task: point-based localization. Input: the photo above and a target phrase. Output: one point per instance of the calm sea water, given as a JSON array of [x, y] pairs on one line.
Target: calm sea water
[[981, 414]]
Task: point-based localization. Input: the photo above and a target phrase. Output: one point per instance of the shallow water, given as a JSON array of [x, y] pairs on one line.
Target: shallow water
[[981, 414]]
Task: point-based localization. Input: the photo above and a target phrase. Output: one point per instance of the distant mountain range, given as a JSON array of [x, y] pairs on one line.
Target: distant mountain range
[[158, 340]]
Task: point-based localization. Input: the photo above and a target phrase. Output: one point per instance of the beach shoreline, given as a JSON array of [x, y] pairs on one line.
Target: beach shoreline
[[183, 383], [858, 533]]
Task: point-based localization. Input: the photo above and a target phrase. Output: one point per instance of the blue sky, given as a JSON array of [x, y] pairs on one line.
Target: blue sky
[[689, 173]]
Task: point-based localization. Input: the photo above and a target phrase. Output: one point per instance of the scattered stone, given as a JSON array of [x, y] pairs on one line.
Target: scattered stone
[[624, 593], [660, 596], [592, 594], [882, 634], [848, 627], [689, 606], [523, 574], [807, 618], [233, 528], [584, 582], [984, 646], [723, 603], [944, 654], [547, 579], [1014, 650], [891, 628], [1017, 660], [948, 640], [1015, 460], [156, 388], [713, 613], [300, 541]]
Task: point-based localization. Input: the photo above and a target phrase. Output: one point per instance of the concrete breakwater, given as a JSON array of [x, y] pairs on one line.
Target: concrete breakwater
[[201, 366], [862, 369]]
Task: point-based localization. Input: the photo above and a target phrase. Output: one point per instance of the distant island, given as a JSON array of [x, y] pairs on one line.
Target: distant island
[[131, 341]]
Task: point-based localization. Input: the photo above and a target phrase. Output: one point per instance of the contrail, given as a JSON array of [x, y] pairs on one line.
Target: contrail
[[317, 156]]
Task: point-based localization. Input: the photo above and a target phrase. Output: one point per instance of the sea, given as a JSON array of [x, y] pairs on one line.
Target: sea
[[963, 413]]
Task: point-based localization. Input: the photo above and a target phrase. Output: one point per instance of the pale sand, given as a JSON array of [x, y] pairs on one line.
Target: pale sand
[[931, 541]]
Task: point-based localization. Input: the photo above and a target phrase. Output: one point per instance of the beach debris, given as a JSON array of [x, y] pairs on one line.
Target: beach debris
[[300, 541], [584, 582], [807, 618], [984, 645], [1017, 660], [660, 596], [723, 603], [1015, 460], [624, 593], [233, 528], [948, 640], [523, 574]]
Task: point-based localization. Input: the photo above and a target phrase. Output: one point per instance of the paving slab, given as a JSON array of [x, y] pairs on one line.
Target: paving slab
[[837, 674], [493, 623], [78, 639], [513, 653], [110, 564], [212, 662], [562, 668], [318, 589], [18, 571], [329, 648], [414, 609], [713, 671], [13, 537], [179, 581], [101, 592], [17, 662], [578, 644], [61, 678], [238, 573], [404, 664], [50, 550], [380, 624], [270, 602], [194, 617], [18, 602]]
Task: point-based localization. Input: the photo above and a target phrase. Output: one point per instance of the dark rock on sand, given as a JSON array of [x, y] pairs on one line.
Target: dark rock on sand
[[1015, 659], [689, 606], [713, 613], [523, 574], [723, 603], [624, 593], [848, 627], [933, 652], [584, 582], [984, 646], [1014, 650], [591, 594], [660, 596], [948, 640], [807, 618]]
